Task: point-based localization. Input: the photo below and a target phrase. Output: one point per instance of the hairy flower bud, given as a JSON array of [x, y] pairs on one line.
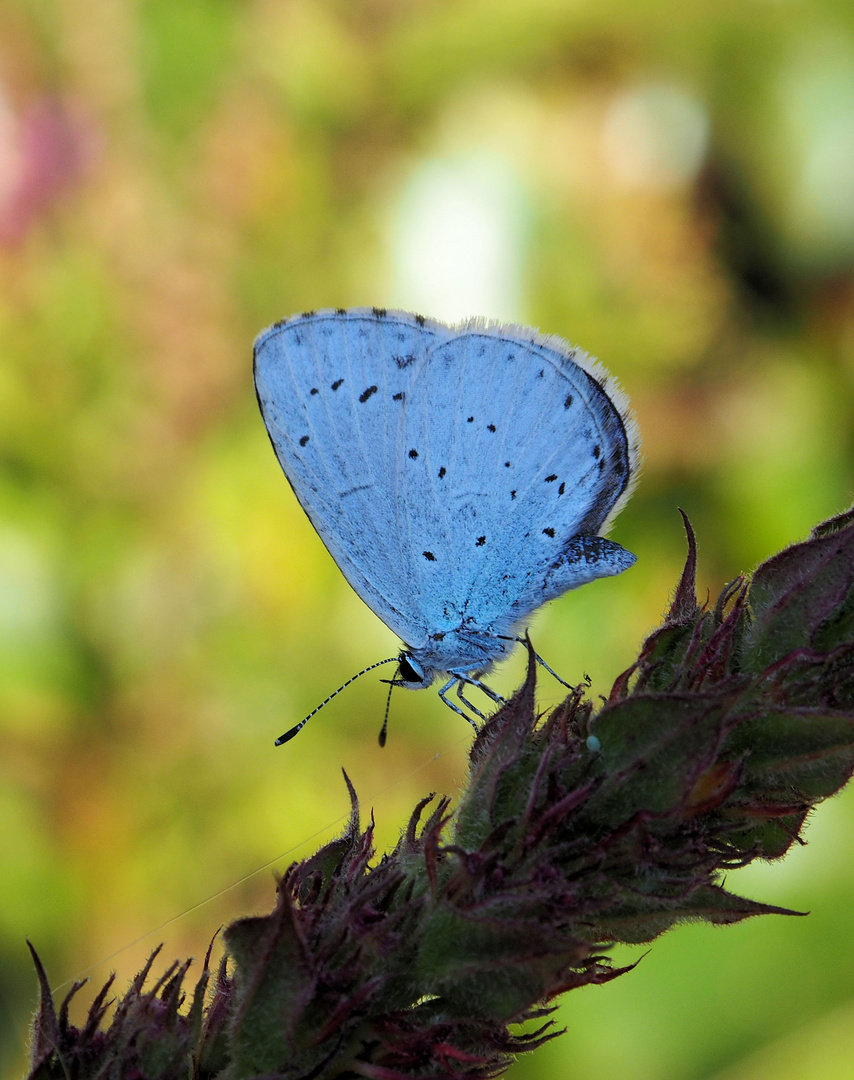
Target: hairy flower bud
[[573, 833]]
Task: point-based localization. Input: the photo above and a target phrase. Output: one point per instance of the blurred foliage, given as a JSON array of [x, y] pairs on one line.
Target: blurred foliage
[[671, 189]]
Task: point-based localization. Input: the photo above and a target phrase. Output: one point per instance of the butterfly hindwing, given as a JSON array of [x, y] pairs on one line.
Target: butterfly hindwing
[[519, 450]]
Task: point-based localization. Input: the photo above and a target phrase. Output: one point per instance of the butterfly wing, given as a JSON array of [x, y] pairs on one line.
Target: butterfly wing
[[523, 448], [457, 476], [332, 387]]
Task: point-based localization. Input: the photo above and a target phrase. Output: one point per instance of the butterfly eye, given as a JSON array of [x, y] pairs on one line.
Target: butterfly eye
[[409, 671]]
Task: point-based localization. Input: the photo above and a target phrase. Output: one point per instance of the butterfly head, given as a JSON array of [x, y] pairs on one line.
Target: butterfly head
[[412, 674]]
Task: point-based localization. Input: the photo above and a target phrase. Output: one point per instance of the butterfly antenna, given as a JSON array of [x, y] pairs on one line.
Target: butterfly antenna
[[297, 728], [384, 729]]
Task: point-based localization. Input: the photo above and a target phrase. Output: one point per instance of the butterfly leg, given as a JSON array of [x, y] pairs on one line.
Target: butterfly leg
[[551, 671], [442, 694], [466, 702], [490, 693], [543, 664]]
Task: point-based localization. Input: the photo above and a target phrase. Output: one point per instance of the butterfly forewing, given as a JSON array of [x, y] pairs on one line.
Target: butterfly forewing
[[332, 391]]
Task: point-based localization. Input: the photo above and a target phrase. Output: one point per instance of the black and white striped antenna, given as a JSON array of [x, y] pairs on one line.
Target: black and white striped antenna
[[297, 728]]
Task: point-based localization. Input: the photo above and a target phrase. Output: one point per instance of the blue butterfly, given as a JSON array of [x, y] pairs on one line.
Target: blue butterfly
[[460, 476]]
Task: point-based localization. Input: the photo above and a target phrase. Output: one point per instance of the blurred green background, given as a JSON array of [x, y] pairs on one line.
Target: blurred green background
[[669, 186]]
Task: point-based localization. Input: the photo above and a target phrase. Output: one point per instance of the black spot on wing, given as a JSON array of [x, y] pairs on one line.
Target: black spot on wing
[[490, 427], [314, 391], [413, 453], [442, 472], [471, 420], [303, 440], [562, 488], [337, 383], [340, 311], [552, 476], [429, 556], [398, 396], [549, 531], [363, 397], [568, 401], [481, 540], [404, 361]]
